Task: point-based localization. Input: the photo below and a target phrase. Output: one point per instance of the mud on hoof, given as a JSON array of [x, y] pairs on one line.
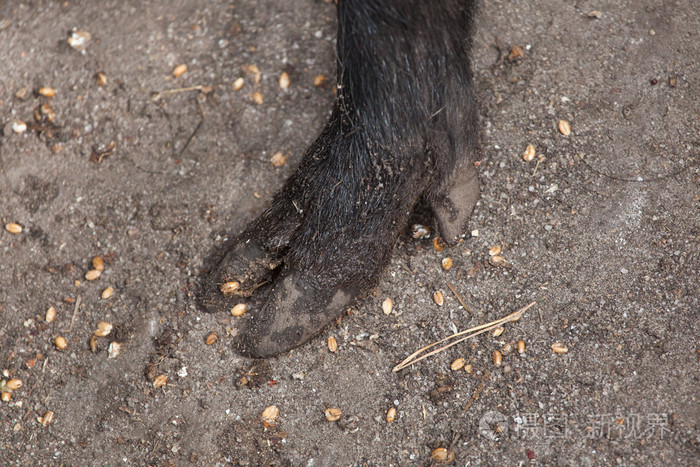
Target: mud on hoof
[[404, 126], [293, 314]]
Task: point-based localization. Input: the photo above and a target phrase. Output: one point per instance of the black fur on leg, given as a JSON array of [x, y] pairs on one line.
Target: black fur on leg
[[404, 126]]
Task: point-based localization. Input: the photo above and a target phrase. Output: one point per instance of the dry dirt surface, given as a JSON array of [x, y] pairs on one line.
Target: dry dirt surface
[[153, 173]]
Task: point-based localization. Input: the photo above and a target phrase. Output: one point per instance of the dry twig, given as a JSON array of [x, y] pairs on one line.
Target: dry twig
[[459, 299], [205, 89], [477, 391], [75, 314], [471, 332]]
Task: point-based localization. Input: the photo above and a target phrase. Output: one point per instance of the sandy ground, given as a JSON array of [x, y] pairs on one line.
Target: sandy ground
[[601, 229]]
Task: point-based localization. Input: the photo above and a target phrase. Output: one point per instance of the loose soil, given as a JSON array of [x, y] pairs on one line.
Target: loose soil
[[601, 229]]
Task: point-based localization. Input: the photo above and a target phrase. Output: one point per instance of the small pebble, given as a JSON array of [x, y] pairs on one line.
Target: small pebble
[[19, 127]]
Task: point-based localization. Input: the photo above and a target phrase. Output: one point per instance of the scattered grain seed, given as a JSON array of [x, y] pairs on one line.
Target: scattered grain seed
[[564, 127], [160, 381], [391, 415], [438, 244], [115, 349], [420, 231], [440, 455], [595, 14], [254, 71], [270, 415], [558, 347], [179, 70], [50, 314], [92, 274], [498, 331], [495, 250], [37, 114], [469, 368], [237, 84], [98, 263], [284, 80], [239, 309], [104, 328], [211, 338], [47, 112], [47, 419], [258, 98], [100, 333], [19, 127], [47, 91], [319, 81], [529, 153], [229, 288], [438, 298], [333, 415], [13, 228], [332, 344], [61, 343], [497, 260], [446, 264], [458, 364], [672, 81], [278, 159], [497, 358], [13, 384], [516, 52], [108, 292], [6, 396], [101, 79], [521, 347], [387, 306], [93, 344]]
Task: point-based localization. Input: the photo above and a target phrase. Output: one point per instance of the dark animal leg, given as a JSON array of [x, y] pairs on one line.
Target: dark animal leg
[[404, 126]]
